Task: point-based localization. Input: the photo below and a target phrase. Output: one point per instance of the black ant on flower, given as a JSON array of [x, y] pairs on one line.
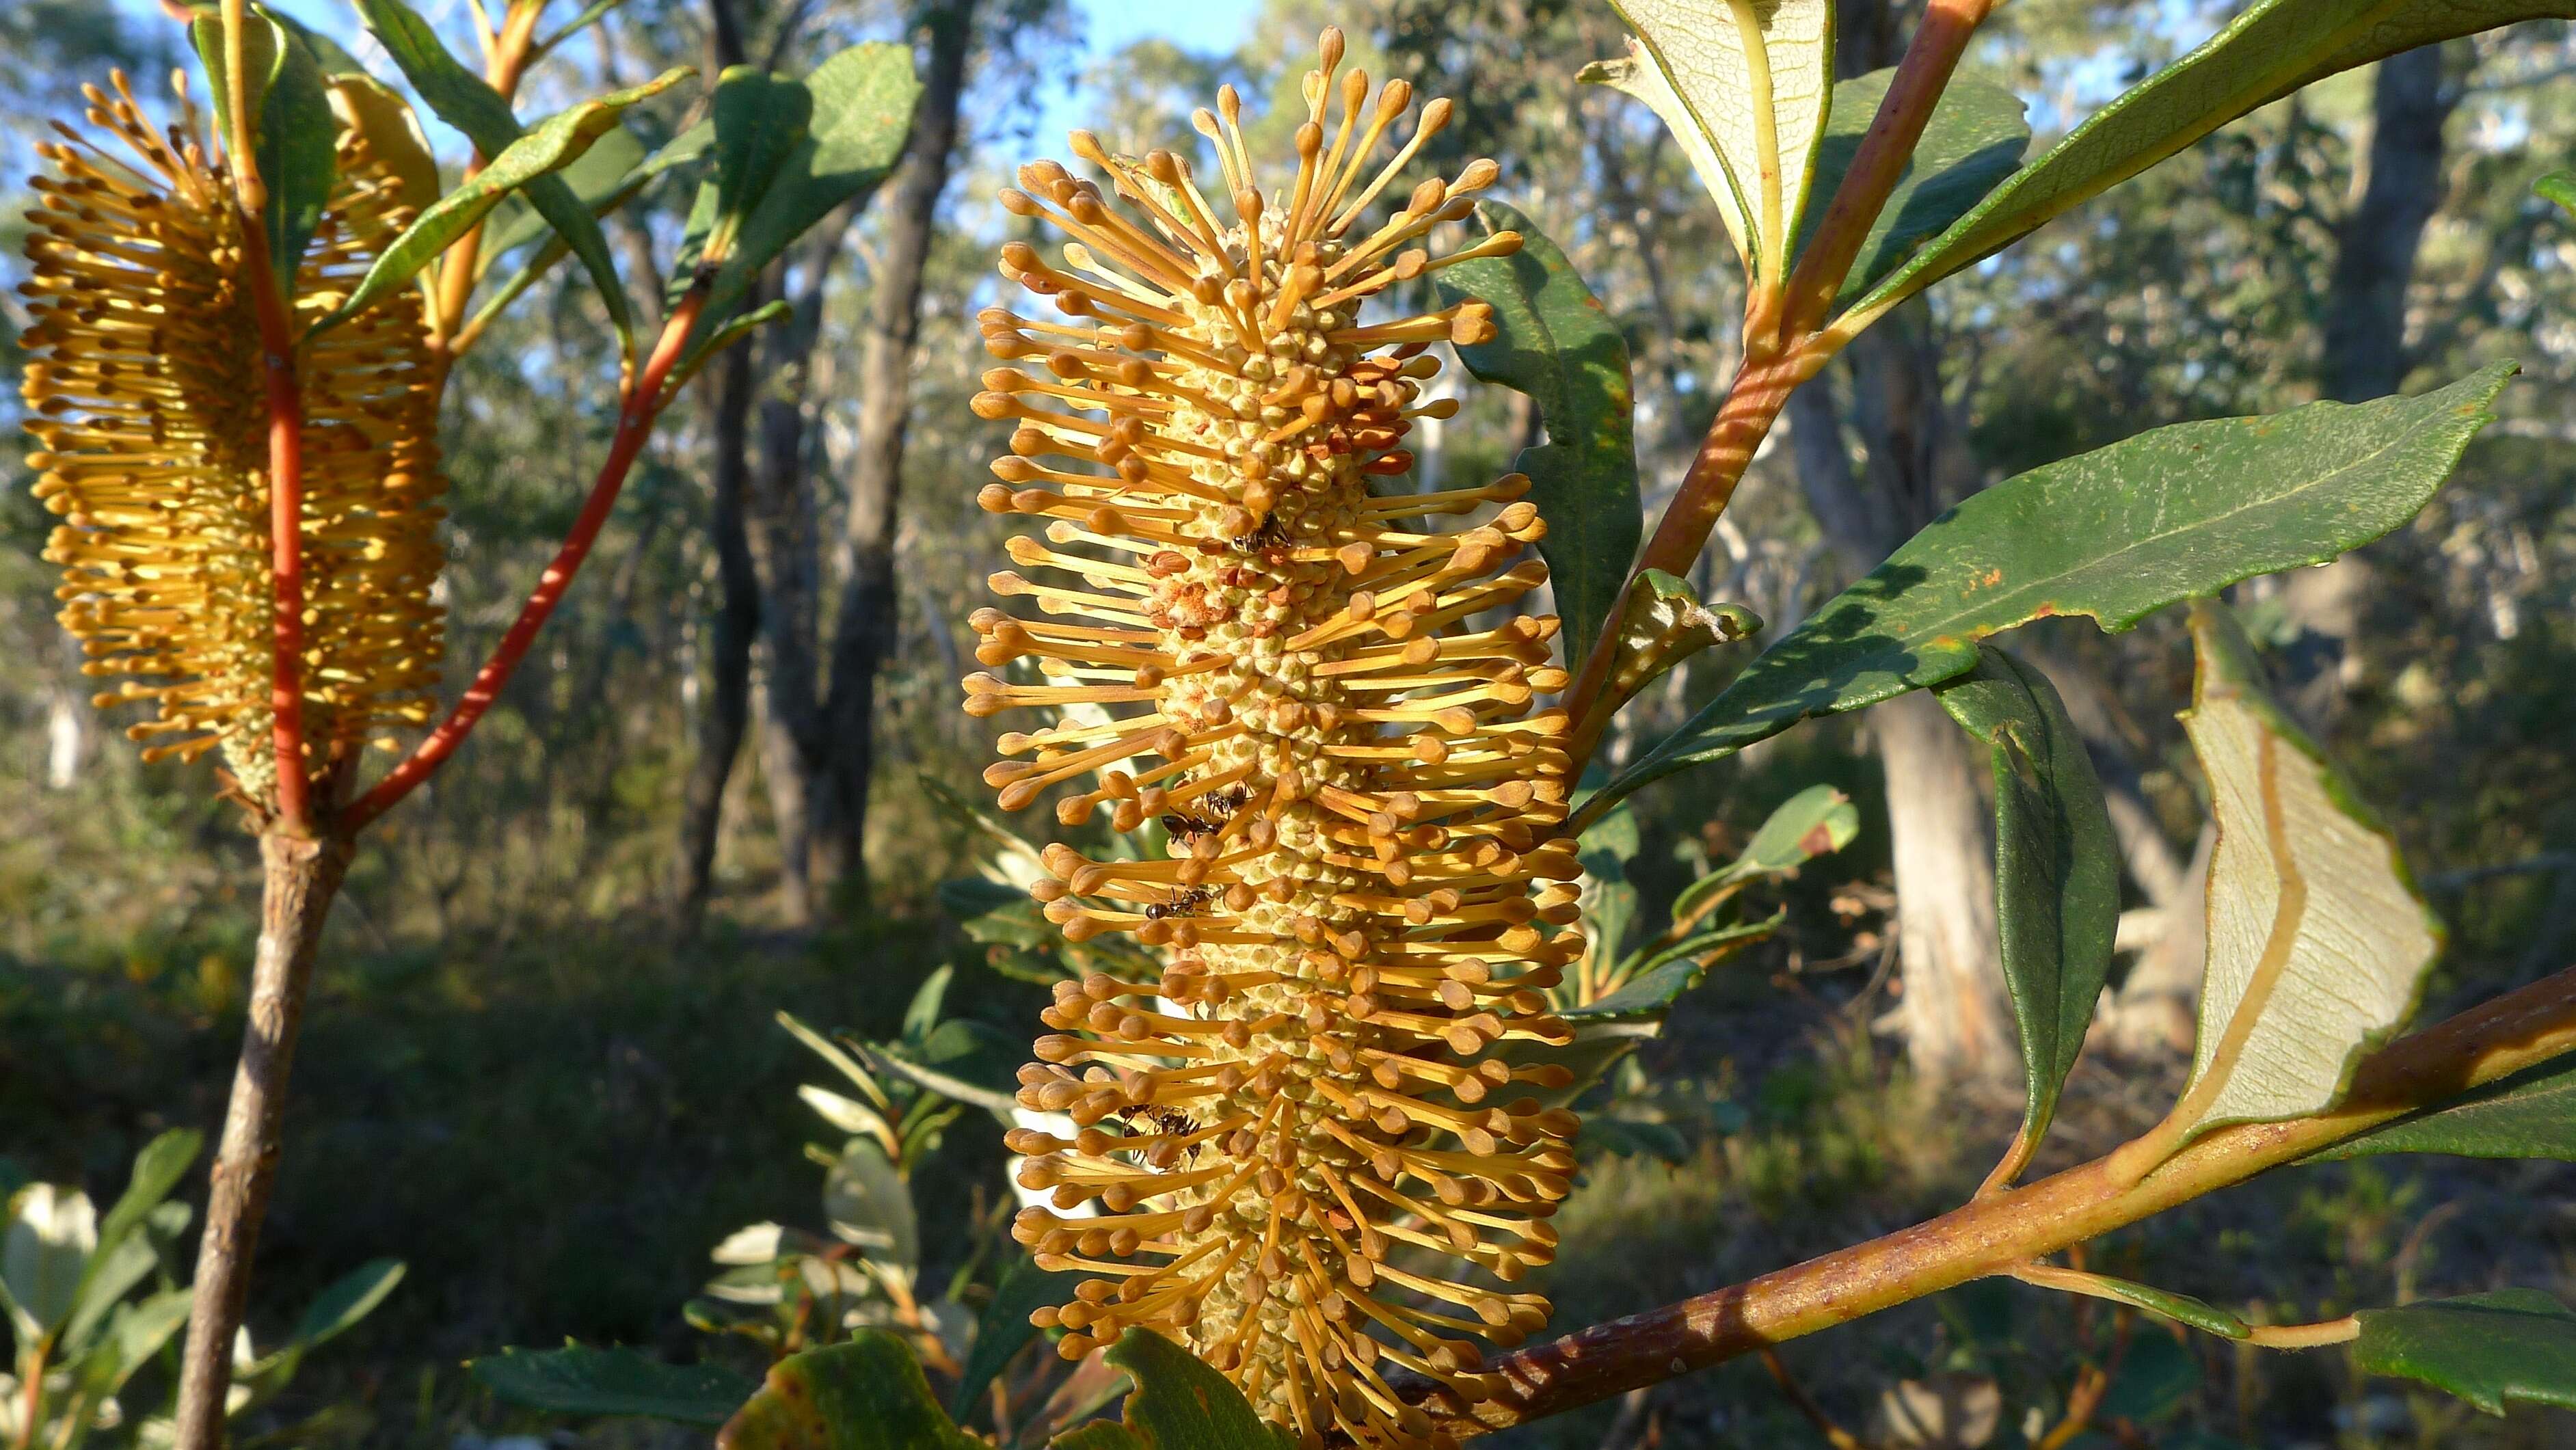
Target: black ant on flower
[[1189, 902], [1220, 807]]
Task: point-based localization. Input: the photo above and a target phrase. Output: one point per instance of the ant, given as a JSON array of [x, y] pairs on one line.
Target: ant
[[1221, 807], [1183, 903], [1171, 1122], [1270, 533]]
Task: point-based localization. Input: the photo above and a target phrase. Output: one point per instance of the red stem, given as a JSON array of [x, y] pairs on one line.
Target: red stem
[[1761, 388], [285, 526], [641, 404], [1884, 153]]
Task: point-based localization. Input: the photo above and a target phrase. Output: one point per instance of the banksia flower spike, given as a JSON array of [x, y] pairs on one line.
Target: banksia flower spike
[[144, 392], [1280, 1148]]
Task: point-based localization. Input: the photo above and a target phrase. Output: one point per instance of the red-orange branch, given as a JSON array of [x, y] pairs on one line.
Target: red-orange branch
[[285, 526], [637, 410], [1761, 389], [1885, 151]]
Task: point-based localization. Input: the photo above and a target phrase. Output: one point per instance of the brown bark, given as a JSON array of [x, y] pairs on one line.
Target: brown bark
[[726, 711], [299, 879], [864, 631], [781, 533], [2411, 100]]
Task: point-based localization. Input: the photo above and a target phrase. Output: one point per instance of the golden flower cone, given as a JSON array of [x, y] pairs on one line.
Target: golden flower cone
[[1279, 1151], [143, 389]]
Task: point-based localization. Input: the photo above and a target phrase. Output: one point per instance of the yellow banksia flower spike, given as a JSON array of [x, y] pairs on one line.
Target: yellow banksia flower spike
[[1279, 1151], [143, 390]]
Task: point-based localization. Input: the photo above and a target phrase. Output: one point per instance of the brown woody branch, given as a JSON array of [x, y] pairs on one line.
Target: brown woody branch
[[1993, 1234]]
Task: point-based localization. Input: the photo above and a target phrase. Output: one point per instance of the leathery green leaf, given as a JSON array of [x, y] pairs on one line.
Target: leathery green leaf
[[296, 138], [370, 108], [863, 100], [2270, 49], [2531, 1114], [2115, 534], [866, 1394], [1179, 1403], [2317, 941], [462, 99], [555, 143], [2057, 867], [1744, 87], [1974, 140], [2512, 1344], [1554, 342]]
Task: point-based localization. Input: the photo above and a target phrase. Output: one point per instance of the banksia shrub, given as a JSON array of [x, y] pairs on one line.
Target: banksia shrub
[[144, 391], [1279, 1149]]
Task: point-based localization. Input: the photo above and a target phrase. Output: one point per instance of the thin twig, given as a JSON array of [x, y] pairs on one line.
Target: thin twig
[[641, 406], [1835, 1435]]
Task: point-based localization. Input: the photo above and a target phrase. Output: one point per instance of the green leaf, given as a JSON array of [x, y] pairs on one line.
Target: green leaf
[[580, 1380], [1555, 343], [991, 1099], [1661, 624], [392, 133], [2560, 187], [2317, 942], [868, 1204], [861, 117], [2115, 534], [44, 1253], [2181, 1308], [1003, 1329], [352, 1297], [1702, 67], [157, 1170], [2057, 866], [2531, 1114], [1817, 821], [1179, 1403], [1974, 140], [463, 100], [868, 1394], [556, 142], [759, 118], [2270, 49], [602, 177], [922, 1013], [2512, 1344], [1661, 978], [297, 137]]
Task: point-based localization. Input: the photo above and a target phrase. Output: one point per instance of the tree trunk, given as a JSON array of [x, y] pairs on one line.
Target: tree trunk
[[782, 529], [864, 632], [2411, 100], [2366, 355], [726, 705]]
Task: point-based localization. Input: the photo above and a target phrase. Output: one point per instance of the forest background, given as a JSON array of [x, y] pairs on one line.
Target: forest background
[[542, 1066]]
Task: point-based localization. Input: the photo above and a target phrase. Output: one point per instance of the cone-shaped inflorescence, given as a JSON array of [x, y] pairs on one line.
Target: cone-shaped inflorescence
[[1279, 1150], [144, 391]]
